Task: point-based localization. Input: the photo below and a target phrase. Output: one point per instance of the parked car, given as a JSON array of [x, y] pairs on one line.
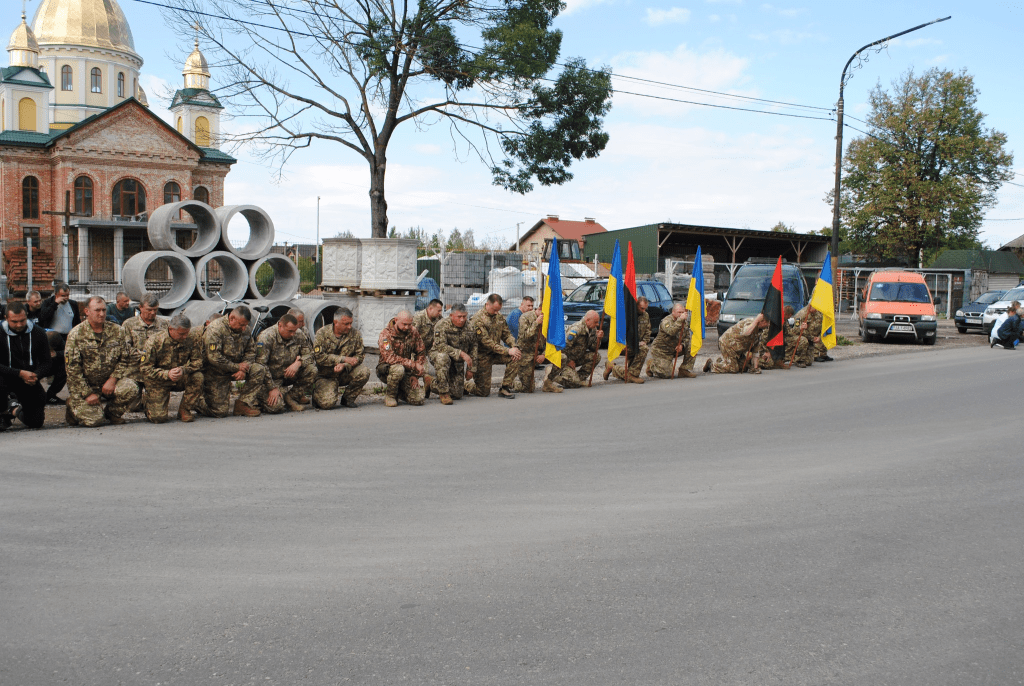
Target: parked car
[[590, 296], [750, 286], [897, 304], [972, 316], [999, 307]]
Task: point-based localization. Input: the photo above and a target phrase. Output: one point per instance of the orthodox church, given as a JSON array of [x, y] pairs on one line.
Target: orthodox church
[[75, 126]]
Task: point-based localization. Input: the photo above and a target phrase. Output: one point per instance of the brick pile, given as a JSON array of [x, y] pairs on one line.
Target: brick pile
[[16, 261]]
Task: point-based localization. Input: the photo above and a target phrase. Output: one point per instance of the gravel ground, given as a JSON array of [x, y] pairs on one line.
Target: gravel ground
[[948, 337]]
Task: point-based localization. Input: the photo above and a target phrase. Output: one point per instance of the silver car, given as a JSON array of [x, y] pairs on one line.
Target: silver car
[[998, 307]]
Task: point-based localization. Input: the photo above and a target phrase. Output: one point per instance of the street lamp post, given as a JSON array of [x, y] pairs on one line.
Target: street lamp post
[[839, 139]]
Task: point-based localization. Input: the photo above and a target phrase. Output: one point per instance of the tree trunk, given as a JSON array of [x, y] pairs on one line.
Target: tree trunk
[[378, 205]]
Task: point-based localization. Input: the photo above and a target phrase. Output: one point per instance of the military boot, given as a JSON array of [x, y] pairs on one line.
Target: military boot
[[390, 401], [607, 369], [184, 414], [243, 410], [446, 399], [634, 379], [428, 380], [114, 419], [347, 402], [707, 366], [551, 387], [69, 416], [686, 373], [293, 404]]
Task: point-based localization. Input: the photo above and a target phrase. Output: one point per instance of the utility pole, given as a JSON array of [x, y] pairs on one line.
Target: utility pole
[[318, 229], [517, 235], [839, 142]]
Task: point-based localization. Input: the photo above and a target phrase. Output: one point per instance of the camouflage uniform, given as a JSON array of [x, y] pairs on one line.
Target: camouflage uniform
[[136, 333], [400, 351], [225, 350], [663, 352], [491, 331], [328, 349], [162, 354], [734, 346], [276, 354], [531, 342], [580, 343], [449, 341], [425, 325], [90, 359], [636, 361], [814, 324]]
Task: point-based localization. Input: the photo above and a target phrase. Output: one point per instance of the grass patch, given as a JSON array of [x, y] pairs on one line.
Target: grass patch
[[843, 340]]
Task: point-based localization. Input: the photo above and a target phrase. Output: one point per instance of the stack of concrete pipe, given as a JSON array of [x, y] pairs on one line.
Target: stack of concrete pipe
[[187, 265]]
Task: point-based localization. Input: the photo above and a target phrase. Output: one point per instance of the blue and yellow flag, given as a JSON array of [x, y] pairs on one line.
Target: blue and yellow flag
[[615, 307], [554, 316], [823, 300], [695, 304]]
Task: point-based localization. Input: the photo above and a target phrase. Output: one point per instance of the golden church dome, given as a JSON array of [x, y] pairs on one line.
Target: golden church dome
[[141, 97], [196, 63], [23, 38], [90, 23]]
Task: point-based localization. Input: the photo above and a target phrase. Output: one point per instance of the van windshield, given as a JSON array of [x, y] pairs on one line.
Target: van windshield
[[756, 288], [900, 292]]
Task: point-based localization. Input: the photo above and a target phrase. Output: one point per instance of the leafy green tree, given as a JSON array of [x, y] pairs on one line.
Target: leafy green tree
[[351, 72], [782, 228], [923, 178]]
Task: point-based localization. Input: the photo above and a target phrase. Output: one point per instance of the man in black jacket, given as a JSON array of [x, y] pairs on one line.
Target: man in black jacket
[[24, 360], [58, 315]]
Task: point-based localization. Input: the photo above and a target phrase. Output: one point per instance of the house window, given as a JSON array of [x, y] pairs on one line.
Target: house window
[[202, 132], [202, 195], [30, 198], [128, 198], [97, 80], [83, 195], [179, 125], [31, 235], [66, 83], [172, 192], [27, 114], [120, 85]]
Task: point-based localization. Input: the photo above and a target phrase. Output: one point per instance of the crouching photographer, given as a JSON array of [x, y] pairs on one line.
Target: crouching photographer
[[24, 360]]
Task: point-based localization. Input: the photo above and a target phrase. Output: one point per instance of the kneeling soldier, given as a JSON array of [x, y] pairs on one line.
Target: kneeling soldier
[[402, 360], [98, 361], [578, 357], [531, 343], [491, 331], [636, 361], [288, 360], [231, 356], [673, 340], [173, 361], [452, 354], [338, 351], [735, 344]]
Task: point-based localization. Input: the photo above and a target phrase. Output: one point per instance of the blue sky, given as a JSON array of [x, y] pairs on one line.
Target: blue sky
[[665, 161]]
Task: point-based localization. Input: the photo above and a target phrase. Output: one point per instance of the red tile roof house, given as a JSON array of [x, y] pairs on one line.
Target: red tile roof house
[[553, 227]]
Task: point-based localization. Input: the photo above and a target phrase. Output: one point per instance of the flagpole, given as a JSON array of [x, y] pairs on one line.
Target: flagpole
[[597, 353]]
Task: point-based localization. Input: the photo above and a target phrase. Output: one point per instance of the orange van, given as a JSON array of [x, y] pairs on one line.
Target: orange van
[[897, 304]]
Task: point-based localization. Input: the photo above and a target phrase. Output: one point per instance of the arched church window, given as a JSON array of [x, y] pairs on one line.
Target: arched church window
[[179, 125], [27, 114], [30, 198], [172, 192], [83, 195], [128, 198], [66, 83], [202, 132], [120, 85], [201, 194], [97, 80]]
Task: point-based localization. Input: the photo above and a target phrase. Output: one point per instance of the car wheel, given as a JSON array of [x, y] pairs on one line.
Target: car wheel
[[961, 329], [930, 340], [864, 335]]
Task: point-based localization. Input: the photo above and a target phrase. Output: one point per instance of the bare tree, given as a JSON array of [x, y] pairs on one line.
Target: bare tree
[[352, 71]]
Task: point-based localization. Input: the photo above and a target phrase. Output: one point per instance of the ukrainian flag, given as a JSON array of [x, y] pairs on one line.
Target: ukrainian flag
[[554, 316], [695, 304], [615, 306], [823, 301]]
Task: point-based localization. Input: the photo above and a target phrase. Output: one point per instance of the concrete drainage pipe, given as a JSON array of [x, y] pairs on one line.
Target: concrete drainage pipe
[[319, 313], [182, 277], [198, 311], [234, 276], [261, 230], [285, 278], [161, 235]]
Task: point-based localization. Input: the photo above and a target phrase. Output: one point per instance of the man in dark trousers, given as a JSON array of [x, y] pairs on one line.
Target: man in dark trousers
[[24, 360], [58, 315], [1008, 334]]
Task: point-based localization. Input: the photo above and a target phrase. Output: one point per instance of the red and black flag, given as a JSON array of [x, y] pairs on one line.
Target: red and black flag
[[773, 307], [629, 295]]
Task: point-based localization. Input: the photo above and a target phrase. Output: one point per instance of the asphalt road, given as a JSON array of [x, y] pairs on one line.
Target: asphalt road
[[857, 522]]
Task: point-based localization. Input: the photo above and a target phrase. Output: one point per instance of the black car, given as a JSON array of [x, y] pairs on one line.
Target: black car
[[972, 316], [590, 296]]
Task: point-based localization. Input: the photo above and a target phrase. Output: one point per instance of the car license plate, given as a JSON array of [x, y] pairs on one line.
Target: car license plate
[[908, 328], [973, 320]]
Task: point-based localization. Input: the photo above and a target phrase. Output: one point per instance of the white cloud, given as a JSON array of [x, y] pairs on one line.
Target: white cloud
[[676, 15], [576, 5], [714, 18], [790, 12]]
